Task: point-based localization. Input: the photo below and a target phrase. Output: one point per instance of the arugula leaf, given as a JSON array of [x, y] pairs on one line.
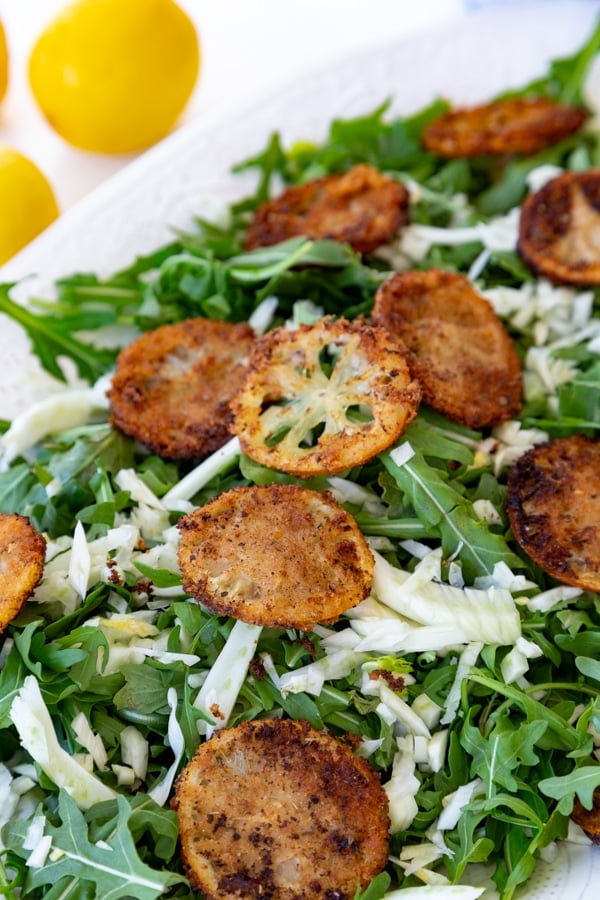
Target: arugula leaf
[[376, 889], [12, 676], [580, 399], [271, 161], [579, 744], [144, 690], [498, 754], [162, 578], [116, 870], [520, 861], [508, 190], [19, 488], [52, 339], [147, 819], [189, 718], [581, 783], [566, 76], [467, 843], [28, 643], [444, 510], [79, 452], [588, 667]]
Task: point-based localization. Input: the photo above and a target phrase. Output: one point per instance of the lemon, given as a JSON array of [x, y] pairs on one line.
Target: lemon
[[113, 76], [3, 63], [28, 202]]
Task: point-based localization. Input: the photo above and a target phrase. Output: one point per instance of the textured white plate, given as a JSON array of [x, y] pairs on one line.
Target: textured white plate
[[135, 210]]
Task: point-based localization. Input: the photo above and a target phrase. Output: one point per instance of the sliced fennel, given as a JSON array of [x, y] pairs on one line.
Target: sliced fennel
[[30, 717]]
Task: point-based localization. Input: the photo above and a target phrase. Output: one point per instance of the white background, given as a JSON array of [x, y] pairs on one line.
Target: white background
[[248, 47]]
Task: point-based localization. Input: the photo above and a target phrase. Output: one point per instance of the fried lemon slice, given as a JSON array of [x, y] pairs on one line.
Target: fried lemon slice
[[360, 207], [559, 229], [22, 555], [276, 555], [172, 386], [324, 398], [513, 125], [554, 508], [274, 808], [458, 348]]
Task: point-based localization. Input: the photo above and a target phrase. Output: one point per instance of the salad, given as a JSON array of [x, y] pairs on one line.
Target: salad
[[467, 678]]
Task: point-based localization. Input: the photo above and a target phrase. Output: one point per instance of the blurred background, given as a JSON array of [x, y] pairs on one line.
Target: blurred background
[[246, 48]]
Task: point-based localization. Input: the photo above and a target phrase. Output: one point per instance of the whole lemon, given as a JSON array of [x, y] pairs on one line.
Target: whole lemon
[[28, 202], [113, 76], [3, 62]]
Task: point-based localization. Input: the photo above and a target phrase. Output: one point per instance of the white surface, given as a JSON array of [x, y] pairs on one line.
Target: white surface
[[132, 212], [247, 48]]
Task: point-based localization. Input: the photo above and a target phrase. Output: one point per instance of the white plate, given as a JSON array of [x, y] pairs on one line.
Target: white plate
[[134, 212]]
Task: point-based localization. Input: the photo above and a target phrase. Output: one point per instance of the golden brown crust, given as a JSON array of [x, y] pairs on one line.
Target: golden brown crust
[[513, 125], [361, 207], [276, 809], [294, 415], [458, 348], [22, 556], [559, 229], [554, 508], [276, 555], [588, 819], [172, 386]]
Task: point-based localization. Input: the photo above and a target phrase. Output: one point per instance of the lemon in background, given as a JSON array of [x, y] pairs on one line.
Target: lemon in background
[[113, 76], [28, 202], [3, 63]]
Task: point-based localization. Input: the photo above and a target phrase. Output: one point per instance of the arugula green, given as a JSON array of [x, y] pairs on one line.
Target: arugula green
[[448, 515], [109, 864], [52, 337]]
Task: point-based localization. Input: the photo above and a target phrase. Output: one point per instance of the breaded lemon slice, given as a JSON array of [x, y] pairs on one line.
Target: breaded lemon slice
[[360, 207], [276, 555], [458, 348], [324, 398], [22, 555], [512, 125], [559, 229], [273, 808], [554, 508], [172, 386]]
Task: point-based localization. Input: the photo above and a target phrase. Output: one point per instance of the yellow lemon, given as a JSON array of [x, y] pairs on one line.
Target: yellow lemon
[[113, 76], [28, 202], [3, 62]]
